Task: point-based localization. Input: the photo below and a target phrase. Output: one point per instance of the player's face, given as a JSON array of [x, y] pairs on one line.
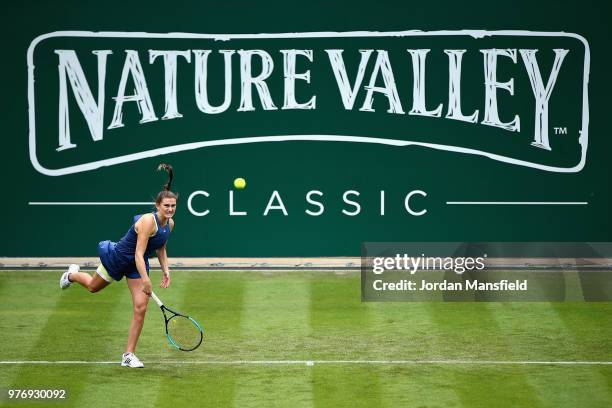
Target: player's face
[[167, 207]]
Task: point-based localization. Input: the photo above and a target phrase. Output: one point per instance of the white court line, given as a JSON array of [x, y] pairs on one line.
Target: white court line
[[338, 362], [517, 202]]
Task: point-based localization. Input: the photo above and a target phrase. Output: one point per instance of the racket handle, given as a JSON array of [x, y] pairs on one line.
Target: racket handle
[[156, 299]]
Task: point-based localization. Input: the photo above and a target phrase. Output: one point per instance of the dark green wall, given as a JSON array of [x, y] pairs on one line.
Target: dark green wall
[[295, 167]]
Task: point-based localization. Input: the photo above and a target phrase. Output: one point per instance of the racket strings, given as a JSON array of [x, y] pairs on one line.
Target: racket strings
[[184, 332]]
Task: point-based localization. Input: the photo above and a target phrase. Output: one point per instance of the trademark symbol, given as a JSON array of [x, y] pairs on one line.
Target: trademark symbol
[[560, 131]]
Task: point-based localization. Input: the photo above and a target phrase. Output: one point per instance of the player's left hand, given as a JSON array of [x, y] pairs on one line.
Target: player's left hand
[[165, 282]]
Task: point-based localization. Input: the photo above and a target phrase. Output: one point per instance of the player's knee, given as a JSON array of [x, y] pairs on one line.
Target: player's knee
[[140, 308], [93, 288]]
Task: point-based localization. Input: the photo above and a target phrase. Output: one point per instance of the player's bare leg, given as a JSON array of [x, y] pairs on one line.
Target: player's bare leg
[[140, 300], [93, 283]]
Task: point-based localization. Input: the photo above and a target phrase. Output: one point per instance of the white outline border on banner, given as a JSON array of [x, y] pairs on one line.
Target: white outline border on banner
[[582, 140]]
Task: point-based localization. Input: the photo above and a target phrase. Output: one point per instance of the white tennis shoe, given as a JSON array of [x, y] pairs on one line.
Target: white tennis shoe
[[130, 360], [64, 280]]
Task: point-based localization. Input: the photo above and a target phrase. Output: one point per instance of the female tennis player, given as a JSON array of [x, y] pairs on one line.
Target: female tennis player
[[129, 257]]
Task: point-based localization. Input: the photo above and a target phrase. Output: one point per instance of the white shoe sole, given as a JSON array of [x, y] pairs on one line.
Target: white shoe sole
[[64, 281], [127, 364]]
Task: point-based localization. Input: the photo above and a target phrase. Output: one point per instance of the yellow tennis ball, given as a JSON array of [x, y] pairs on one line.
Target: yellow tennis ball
[[240, 183]]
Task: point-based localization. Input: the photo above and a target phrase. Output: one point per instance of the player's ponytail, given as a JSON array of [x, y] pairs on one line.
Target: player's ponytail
[[166, 193], [168, 168]]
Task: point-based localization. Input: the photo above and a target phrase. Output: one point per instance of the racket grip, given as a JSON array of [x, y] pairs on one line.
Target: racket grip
[[156, 299]]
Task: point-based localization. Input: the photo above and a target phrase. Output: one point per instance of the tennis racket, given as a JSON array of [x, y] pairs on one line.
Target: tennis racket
[[184, 332]]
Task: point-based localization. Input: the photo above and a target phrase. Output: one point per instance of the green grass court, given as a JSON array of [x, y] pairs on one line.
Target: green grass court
[[263, 326]]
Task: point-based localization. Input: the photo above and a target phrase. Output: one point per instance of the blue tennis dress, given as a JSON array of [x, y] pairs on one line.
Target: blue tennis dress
[[119, 258]]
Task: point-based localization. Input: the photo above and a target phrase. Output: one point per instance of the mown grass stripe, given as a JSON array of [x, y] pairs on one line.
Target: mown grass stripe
[[217, 303], [405, 331], [275, 321], [28, 299], [21, 328], [339, 322], [469, 330], [77, 317], [554, 337], [148, 345]]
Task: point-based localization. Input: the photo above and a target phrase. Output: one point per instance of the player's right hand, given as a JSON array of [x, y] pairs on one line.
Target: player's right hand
[[147, 287]]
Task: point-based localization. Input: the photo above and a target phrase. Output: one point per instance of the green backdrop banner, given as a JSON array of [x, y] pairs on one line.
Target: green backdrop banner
[[393, 122]]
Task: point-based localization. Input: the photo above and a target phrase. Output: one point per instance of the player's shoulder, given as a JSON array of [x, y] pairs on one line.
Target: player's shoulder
[[147, 218], [146, 221], [171, 221]]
